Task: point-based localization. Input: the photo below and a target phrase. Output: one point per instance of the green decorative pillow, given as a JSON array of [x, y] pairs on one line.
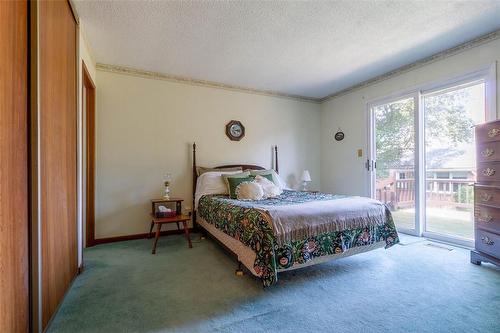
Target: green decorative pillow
[[269, 176], [234, 182], [244, 174]]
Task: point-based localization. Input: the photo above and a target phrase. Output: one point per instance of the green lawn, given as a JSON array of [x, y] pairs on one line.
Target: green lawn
[[444, 221]]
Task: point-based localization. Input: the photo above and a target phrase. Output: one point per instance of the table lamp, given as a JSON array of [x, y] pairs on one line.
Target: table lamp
[[167, 179]]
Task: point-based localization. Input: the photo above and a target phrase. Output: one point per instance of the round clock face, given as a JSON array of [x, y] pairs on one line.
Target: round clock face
[[339, 136], [235, 130]]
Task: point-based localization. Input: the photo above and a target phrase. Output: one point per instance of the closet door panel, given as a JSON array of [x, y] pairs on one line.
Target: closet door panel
[[58, 156], [14, 297]]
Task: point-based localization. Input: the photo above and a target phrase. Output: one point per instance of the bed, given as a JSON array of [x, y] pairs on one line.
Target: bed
[[293, 230]]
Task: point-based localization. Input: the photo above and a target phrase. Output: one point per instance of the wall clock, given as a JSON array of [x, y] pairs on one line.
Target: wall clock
[[339, 136], [235, 130]]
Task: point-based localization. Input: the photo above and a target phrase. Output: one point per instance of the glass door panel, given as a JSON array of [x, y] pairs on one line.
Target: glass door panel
[[394, 183], [449, 117]]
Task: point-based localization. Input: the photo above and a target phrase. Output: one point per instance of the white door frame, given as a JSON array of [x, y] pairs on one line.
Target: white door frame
[[370, 165]]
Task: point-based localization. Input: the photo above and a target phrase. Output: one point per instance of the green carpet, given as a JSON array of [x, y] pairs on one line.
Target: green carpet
[[412, 288]]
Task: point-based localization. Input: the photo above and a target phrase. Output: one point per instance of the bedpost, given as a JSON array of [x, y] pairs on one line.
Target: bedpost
[[276, 159], [193, 212]]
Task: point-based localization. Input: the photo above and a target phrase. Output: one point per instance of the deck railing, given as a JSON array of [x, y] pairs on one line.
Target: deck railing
[[439, 192]]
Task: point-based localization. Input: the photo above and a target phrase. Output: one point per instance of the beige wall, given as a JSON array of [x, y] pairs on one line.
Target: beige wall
[[145, 128], [341, 170]]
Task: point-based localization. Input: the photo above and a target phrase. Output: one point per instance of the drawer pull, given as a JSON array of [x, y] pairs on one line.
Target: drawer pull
[[493, 132], [486, 240], [485, 197], [488, 172], [485, 218], [488, 152]]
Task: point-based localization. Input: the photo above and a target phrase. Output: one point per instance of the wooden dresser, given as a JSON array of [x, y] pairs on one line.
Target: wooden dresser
[[487, 195]]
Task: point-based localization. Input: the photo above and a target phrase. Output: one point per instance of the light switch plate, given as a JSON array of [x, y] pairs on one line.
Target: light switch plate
[[360, 152]]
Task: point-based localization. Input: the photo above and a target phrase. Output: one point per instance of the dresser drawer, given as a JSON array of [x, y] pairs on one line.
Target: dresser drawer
[[488, 243], [487, 218], [488, 172], [487, 195], [488, 152], [488, 132]]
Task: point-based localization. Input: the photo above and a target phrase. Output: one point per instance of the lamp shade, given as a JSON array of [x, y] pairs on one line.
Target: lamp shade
[[306, 177]]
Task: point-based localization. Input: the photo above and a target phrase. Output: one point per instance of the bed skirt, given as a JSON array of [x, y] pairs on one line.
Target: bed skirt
[[247, 256]]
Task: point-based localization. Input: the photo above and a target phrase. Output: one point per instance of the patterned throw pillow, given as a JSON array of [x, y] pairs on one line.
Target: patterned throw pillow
[[233, 183], [249, 191]]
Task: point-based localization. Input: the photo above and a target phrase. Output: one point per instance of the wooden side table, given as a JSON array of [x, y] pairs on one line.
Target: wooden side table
[[159, 221]]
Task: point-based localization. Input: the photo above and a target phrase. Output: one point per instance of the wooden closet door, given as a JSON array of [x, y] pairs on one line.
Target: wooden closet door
[[58, 154], [14, 297]]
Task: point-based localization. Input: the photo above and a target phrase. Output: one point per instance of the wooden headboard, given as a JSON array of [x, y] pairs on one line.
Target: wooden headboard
[[243, 166]]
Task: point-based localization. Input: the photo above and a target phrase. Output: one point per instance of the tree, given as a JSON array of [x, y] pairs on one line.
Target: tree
[[446, 126]]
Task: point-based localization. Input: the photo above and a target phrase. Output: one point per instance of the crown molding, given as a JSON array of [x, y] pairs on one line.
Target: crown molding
[[484, 39], [197, 82]]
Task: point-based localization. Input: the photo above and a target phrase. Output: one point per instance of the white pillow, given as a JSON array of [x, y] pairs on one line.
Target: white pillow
[[249, 191], [211, 183], [276, 178], [269, 188]]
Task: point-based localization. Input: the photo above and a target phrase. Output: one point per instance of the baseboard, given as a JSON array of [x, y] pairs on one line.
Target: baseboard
[[136, 236]]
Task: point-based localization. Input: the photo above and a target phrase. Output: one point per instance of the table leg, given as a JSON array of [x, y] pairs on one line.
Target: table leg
[[151, 229], [186, 230], [158, 229], [178, 226]]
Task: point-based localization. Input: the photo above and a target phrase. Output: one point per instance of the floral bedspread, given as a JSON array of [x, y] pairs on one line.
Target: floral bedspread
[[253, 227]]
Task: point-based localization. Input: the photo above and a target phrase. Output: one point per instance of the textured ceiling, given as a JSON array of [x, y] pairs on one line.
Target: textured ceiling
[[303, 48]]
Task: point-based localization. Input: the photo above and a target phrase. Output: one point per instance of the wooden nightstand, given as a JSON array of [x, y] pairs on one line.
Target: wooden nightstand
[[177, 218]]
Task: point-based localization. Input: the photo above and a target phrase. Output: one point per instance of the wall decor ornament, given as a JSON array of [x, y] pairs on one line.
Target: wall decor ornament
[[339, 136], [235, 130]]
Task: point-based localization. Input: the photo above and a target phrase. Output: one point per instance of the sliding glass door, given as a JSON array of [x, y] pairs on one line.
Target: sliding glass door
[[450, 158], [422, 157], [394, 153]]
